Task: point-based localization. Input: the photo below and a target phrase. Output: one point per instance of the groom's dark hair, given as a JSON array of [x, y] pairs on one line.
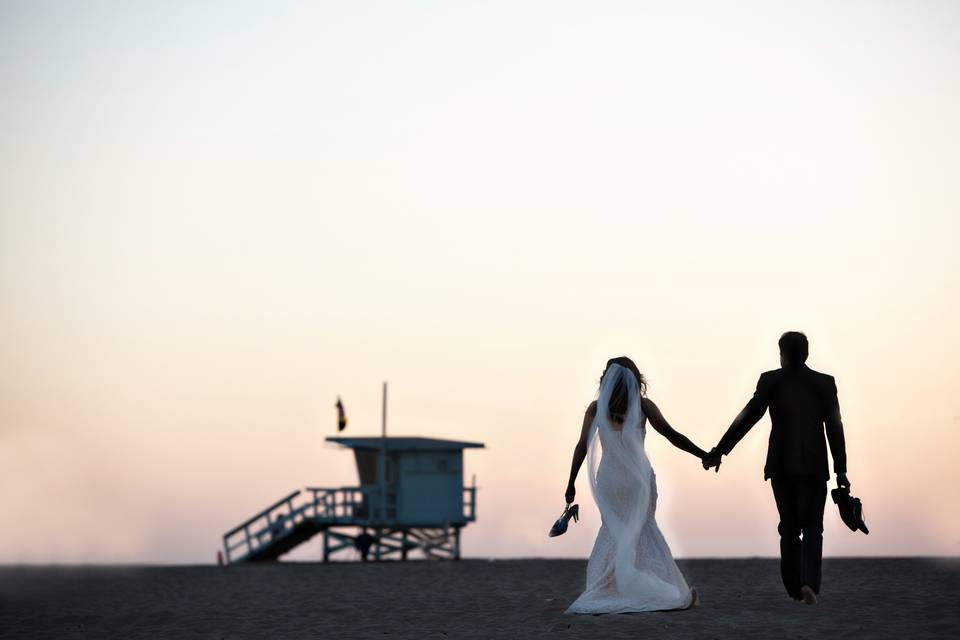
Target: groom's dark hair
[[794, 347]]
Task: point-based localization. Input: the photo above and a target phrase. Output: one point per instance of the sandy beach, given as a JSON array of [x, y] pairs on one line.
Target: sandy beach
[[862, 598]]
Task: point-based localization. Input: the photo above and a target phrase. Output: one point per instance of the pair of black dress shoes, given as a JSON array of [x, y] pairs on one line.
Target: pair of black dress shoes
[[851, 509]]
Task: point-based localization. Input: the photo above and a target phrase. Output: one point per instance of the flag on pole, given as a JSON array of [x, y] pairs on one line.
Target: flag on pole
[[341, 416]]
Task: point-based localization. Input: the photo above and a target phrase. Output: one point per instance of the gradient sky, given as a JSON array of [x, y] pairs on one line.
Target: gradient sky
[[217, 217]]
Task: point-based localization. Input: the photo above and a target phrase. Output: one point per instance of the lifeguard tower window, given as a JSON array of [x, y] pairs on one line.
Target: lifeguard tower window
[[367, 466]]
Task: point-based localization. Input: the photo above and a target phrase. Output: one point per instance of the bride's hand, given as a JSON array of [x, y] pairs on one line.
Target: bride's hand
[[712, 459], [570, 494]]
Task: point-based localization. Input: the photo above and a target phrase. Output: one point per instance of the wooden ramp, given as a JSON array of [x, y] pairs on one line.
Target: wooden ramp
[[348, 518]]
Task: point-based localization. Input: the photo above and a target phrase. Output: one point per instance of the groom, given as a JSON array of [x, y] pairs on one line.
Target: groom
[[802, 402]]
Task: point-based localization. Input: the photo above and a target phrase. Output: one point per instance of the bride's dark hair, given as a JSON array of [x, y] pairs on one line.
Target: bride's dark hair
[[620, 393]]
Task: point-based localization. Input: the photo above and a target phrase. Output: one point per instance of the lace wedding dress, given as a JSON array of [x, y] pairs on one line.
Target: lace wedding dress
[[631, 567]]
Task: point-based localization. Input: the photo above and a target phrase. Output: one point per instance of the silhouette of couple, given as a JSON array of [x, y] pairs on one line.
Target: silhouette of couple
[[631, 567]]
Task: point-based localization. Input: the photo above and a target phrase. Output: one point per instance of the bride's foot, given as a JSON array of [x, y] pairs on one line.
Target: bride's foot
[[694, 599]]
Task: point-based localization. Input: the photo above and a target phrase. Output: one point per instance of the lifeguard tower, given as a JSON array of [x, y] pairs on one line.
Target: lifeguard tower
[[411, 497]]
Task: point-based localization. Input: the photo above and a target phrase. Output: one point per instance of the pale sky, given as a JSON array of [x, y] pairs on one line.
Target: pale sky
[[215, 218]]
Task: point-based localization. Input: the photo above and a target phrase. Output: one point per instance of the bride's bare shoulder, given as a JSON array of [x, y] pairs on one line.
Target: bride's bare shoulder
[[592, 409], [647, 406]]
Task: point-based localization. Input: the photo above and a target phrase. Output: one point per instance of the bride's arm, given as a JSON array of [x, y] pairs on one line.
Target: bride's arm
[[580, 452], [658, 422]]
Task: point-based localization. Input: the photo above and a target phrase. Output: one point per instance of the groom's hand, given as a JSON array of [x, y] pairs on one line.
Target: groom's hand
[[712, 459], [570, 494], [842, 480]]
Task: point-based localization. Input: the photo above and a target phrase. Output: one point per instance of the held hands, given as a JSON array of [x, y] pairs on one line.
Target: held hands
[[842, 480], [712, 459]]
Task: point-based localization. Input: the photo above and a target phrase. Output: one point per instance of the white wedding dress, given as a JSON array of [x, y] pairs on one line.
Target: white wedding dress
[[631, 567]]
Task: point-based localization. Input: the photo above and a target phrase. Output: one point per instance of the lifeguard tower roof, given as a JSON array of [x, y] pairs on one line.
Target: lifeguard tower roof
[[406, 444]]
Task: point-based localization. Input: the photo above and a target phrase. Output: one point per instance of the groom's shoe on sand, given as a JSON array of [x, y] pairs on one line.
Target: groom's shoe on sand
[[807, 595]]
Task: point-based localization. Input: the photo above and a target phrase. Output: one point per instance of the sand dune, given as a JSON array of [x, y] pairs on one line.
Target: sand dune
[[742, 599]]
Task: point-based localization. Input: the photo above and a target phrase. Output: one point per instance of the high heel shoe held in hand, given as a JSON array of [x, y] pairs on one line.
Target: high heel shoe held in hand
[[560, 526]]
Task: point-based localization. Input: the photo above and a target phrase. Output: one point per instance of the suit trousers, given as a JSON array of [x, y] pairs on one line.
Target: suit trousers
[[800, 501]]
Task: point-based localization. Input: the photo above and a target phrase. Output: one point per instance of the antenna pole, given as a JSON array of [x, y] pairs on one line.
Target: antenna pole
[[384, 416], [383, 457]]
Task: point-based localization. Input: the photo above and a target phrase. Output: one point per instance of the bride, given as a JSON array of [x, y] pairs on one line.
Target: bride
[[631, 567]]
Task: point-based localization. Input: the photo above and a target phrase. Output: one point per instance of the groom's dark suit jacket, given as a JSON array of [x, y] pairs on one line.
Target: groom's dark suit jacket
[[802, 403]]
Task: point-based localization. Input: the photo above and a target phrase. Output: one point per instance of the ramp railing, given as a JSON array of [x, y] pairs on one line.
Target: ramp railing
[[265, 528], [324, 507], [319, 508]]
